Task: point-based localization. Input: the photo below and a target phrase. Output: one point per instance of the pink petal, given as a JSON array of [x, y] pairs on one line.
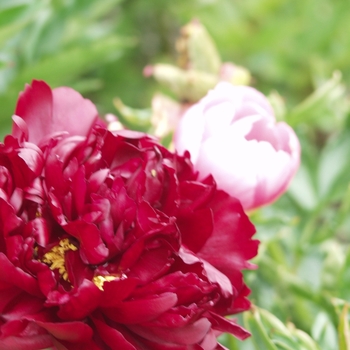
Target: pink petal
[[232, 135]]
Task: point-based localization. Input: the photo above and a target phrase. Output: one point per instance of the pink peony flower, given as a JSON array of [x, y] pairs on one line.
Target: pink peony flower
[[232, 134], [108, 240]]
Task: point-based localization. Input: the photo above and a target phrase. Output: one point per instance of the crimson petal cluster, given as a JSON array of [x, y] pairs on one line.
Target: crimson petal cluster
[[108, 240]]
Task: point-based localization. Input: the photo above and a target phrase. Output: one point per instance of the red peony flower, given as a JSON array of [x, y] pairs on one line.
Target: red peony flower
[[108, 240]]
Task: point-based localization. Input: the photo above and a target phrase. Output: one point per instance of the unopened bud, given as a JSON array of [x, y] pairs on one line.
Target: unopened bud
[[197, 49], [190, 85]]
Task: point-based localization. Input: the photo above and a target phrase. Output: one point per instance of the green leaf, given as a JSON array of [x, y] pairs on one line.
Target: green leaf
[[333, 162], [6, 4], [324, 332], [63, 69], [12, 21], [306, 111], [343, 329], [302, 189], [286, 337], [139, 119], [69, 64], [344, 277], [252, 322], [281, 345], [304, 340]]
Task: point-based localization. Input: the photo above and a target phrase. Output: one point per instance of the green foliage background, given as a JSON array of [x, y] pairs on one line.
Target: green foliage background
[[101, 47], [301, 50]]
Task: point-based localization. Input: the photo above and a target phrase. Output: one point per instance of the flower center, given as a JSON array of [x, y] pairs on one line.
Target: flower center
[[55, 258]]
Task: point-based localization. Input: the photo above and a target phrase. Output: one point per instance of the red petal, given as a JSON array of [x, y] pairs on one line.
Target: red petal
[[151, 264], [142, 310], [231, 236], [34, 342], [76, 304], [7, 295], [35, 107], [190, 334], [189, 288], [213, 275], [8, 219], [199, 221], [92, 249], [117, 290], [71, 112], [229, 326], [75, 332], [112, 337], [46, 112], [79, 190], [56, 209], [21, 306], [20, 128], [32, 157], [14, 276]]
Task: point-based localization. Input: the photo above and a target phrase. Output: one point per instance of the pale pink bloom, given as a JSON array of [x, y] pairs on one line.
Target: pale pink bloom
[[233, 135]]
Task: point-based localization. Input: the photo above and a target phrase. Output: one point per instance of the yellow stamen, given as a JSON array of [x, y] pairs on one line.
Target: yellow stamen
[[55, 258], [100, 280]]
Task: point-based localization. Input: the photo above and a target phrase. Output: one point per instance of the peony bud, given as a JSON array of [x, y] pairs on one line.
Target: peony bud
[[187, 85], [197, 49], [233, 135], [199, 66]]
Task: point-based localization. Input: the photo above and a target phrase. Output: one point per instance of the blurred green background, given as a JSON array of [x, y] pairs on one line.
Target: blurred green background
[[298, 53], [101, 47]]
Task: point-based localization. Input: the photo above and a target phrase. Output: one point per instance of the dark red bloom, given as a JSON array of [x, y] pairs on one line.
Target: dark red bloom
[[108, 240]]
